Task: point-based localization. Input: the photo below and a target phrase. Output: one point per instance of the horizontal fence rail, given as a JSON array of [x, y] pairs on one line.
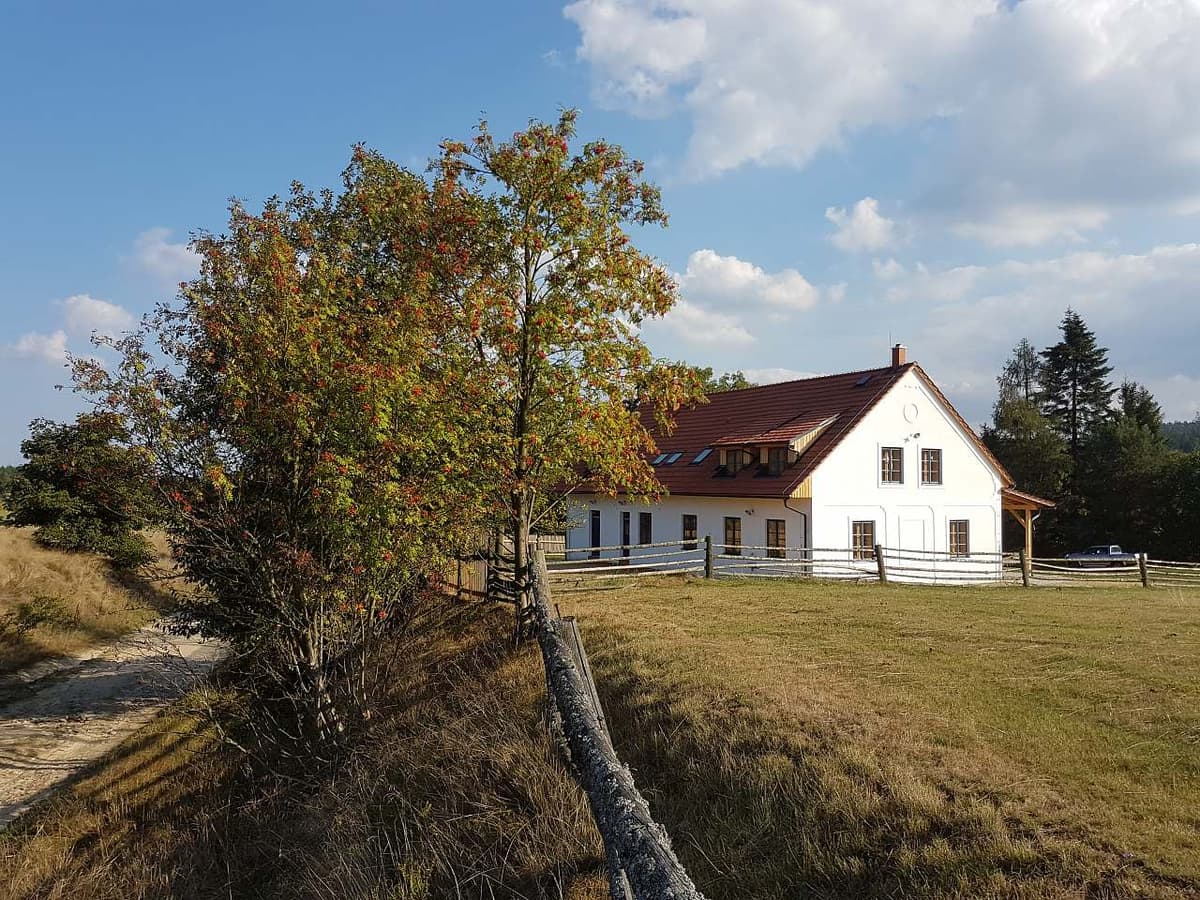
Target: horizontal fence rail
[[490, 574], [897, 565]]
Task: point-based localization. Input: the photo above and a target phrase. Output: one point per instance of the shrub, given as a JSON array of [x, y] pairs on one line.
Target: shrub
[[84, 488]]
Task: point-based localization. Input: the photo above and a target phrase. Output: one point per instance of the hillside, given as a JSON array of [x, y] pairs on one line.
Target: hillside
[[56, 604], [1183, 435]]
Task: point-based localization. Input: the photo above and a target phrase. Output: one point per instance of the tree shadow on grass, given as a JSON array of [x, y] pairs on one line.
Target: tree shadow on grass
[[452, 791]]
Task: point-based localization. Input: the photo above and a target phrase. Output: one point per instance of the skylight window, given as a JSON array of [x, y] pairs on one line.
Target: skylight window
[[701, 456], [862, 382], [674, 457], [657, 461]]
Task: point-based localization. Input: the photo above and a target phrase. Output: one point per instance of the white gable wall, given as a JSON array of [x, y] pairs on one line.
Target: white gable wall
[[847, 485]]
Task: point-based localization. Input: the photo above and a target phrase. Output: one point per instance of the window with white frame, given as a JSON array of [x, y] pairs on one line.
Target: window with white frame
[[736, 460], [733, 536], [689, 531], [960, 537], [891, 465], [862, 539], [776, 538], [931, 466]]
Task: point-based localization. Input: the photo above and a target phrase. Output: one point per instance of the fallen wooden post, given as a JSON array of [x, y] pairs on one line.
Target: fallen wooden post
[[642, 864]]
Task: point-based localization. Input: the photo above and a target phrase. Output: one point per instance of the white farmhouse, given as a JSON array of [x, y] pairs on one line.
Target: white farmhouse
[[841, 462]]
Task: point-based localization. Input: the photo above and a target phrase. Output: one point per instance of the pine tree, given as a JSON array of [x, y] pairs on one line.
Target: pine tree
[[1076, 390]]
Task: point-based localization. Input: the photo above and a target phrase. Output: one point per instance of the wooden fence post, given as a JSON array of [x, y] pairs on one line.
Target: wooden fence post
[[1145, 573], [1025, 566], [708, 556], [637, 849], [881, 564]]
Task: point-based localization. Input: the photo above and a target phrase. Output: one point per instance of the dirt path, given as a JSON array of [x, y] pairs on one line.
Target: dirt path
[[61, 723]]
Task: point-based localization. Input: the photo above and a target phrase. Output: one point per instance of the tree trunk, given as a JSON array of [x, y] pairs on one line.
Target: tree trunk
[[324, 721], [520, 537]]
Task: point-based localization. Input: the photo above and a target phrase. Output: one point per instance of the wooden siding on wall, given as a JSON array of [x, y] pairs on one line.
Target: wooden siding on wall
[[803, 490]]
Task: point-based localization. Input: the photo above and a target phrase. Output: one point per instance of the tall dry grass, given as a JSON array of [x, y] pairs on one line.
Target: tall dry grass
[[454, 791], [73, 600]]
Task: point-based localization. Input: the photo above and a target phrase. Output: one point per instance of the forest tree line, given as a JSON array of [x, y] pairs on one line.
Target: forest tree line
[[1101, 451]]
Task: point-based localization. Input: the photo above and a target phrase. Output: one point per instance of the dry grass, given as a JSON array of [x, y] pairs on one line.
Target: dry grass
[[454, 792], [819, 740], [87, 600]]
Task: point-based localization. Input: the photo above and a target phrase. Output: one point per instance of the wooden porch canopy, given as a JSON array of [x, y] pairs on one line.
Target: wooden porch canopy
[[1022, 506]]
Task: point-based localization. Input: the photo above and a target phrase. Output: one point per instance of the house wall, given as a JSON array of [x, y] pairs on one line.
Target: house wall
[[847, 486], [667, 521]]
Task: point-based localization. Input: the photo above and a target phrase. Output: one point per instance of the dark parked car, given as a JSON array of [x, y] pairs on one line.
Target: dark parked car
[[1102, 555]]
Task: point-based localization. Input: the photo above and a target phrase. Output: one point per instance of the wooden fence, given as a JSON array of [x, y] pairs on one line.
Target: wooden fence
[[580, 565], [704, 557], [1062, 572], [641, 862]]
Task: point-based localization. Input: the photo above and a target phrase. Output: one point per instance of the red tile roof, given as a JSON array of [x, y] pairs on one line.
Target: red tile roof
[[773, 432], [777, 413]]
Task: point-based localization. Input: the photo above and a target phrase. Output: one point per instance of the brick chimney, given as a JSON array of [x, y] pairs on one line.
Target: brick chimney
[[899, 355]]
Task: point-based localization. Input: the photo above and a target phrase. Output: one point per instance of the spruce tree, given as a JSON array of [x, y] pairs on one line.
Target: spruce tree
[[1076, 391]]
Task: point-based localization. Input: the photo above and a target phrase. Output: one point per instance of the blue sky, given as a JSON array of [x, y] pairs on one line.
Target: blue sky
[[947, 173]]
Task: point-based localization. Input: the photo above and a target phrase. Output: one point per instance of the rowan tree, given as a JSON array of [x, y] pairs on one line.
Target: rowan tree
[[307, 409], [554, 321]]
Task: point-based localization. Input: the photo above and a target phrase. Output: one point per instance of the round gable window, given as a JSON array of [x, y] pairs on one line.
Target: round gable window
[[911, 412]]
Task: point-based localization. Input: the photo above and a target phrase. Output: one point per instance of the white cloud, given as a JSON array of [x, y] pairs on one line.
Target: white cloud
[[863, 228], [727, 279], [770, 81], [81, 315], [45, 347], [84, 314], [887, 271], [169, 263], [658, 51], [964, 320], [776, 375], [698, 326], [1027, 226], [1178, 395], [940, 285], [1037, 118]]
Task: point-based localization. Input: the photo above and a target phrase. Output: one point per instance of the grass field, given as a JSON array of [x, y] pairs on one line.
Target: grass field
[[55, 604], [861, 740]]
